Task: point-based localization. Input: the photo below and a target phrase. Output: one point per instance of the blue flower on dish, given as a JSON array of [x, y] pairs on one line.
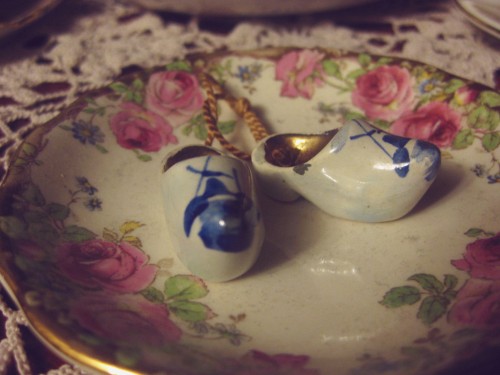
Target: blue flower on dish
[[87, 133], [85, 186]]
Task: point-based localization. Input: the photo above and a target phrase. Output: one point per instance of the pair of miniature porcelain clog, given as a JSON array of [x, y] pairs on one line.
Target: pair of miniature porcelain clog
[[356, 172]]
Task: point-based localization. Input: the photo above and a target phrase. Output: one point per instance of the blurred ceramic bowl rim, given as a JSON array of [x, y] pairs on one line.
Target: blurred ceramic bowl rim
[[29, 13], [247, 7]]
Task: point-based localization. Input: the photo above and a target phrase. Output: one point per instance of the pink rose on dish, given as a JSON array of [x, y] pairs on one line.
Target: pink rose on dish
[[435, 122], [96, 263], [136, 128], [481, 259], [125, 318], [465, 95], [301, 72], [477, 304], [384, 93], [175, 95]]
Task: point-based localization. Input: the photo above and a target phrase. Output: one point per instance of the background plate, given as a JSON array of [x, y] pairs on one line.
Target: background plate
[[15, 14], [248, 8], [484, 14]]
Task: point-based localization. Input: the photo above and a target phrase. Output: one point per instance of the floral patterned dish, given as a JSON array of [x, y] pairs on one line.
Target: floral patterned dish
[[85, 252]]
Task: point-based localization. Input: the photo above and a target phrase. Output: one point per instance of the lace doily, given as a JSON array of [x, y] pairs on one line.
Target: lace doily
[[84, 44]]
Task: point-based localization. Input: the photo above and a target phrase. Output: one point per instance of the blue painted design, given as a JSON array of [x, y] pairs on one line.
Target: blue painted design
[[369, 133], [221, 211], [401, 156], [426, 150], [396, 141]]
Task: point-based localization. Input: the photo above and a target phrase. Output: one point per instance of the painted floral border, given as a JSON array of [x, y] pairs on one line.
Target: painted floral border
[[404, 97], [471, 309], [99, 287]]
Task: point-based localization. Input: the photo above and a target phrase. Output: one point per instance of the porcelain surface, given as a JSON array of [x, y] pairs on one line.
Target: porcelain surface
[[357, 172], [86, 253], [212, 212]]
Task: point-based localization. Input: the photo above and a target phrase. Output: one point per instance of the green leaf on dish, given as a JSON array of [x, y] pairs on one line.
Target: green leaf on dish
[[29, 149], [450, 281], [179, 65], [364, 59], [119, 87], [491, 141], [226, 127], [57, 211], [185, 287], [137, 84], [401, 296], [190, 311], [353, 115], [428, 282], [382, 124], [490, 98], [432, 308], [331, 68], [75, 233], [356, 73], [101, 149], [384, 61], [200, 131], [474, 232], [463, 139], [453, 85], [144, 157], [153, 294], [483, 117]]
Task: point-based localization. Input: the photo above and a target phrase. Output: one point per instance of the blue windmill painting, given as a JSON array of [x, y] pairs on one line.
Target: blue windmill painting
[[401, 157], [224, 214]]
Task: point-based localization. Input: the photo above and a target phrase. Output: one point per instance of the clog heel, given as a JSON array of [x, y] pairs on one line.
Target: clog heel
[[212, 213], [356, 172]]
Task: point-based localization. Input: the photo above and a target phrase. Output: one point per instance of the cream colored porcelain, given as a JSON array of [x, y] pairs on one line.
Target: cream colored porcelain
[[357, 172], [211, 212]]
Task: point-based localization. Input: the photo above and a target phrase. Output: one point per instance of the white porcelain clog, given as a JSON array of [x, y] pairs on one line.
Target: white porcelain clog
[[356, 172], [211, 212]]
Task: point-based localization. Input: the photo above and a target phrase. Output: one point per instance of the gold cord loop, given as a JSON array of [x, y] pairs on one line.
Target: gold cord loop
[[241, 106]]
